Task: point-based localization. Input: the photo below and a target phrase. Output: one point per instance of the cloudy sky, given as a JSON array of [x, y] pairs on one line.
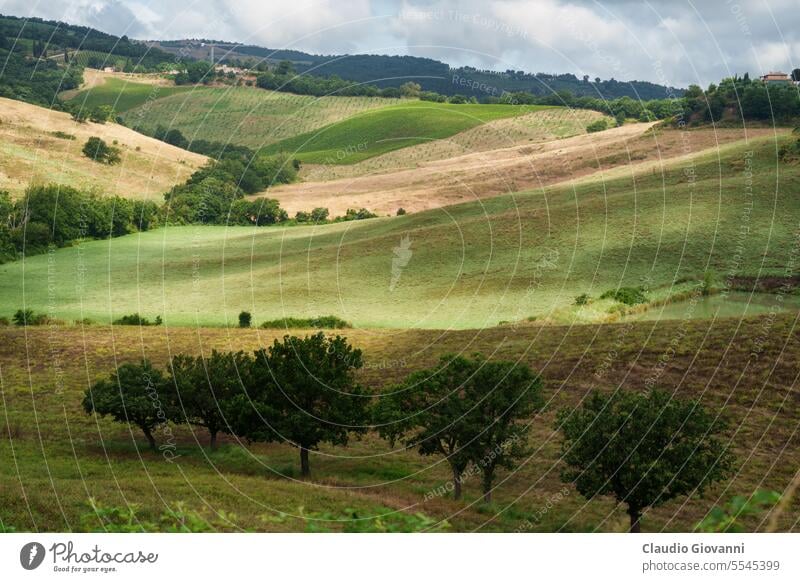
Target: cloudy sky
[[674, 42]]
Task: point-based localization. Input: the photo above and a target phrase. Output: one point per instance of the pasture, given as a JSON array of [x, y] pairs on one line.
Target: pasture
[[58, 457]]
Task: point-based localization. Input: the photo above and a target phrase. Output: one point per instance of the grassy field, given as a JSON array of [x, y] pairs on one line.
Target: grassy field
[[374, 133], [535, 127], [246, 115], [123, 94], [53, 457], [40, 146], [472, 265]]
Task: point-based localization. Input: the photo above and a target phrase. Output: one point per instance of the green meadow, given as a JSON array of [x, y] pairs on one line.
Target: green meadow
[[504, 259], [123, 95], [245, 115], [387, 129]]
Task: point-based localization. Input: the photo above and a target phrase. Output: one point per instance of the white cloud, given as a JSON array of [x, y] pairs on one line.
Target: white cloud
[[691, 42]]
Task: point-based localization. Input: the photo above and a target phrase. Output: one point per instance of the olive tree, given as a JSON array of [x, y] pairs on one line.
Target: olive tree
[[132, 394], [644, 449]]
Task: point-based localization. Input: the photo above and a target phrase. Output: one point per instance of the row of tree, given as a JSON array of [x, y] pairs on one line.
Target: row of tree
[[56, 215], [642, 448]]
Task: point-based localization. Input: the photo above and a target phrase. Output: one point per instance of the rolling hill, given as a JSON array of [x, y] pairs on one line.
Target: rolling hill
[[373, 133], [505, 258], [38, 145], [245, 115]]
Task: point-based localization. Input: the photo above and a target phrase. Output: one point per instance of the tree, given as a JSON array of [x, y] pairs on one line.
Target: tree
[[644, 449], [245, 319], [469, 410], [101, 113], [98, 150], [302, 391], [507, 395], [203, 386], [131, 394], [796, 75], [23, 317], [410, 89], [428, 412]]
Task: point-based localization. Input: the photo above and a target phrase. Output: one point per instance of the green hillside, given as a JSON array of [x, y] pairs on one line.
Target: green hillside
[[472, 265], [376, 132], [245, 115], [124, 95]]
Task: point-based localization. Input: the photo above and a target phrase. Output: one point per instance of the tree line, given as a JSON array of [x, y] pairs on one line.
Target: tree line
[[643, 449]]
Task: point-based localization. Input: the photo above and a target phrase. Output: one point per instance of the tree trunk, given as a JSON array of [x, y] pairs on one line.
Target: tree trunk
[[305, 470], [456, 483], [213, 438], [636, 518], [150, 439], [488, 479]]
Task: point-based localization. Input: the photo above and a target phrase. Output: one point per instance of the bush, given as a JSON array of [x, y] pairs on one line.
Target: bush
[[322, 322], [582, 299], [401, 211], [101, 113], [595, 126], [98, 150], [626, 295], [136, 319], [245, 319], [28, 317]]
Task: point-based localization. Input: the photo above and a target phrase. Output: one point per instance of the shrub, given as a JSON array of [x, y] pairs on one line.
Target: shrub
[[4, 321], [582, 299], [63, 135], [401, 211], [28, 317], [595, 126], [136, 319], [98, 150], [101, 113], [23, 317], [245, 319], [626, 295], [322, 322]]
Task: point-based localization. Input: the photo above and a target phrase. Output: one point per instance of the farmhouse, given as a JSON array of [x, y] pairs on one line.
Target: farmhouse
[[776, 77]]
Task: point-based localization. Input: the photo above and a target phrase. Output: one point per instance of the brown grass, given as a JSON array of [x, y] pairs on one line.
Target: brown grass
[[624, 150], [745, 370], [31, 153]]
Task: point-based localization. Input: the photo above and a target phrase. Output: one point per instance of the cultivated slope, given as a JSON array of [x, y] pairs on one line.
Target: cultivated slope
[[504, 258], [246, 115], [483, 174], [32, 152]]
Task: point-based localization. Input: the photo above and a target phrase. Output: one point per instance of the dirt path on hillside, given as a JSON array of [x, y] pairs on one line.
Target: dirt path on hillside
[[490, 173]]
